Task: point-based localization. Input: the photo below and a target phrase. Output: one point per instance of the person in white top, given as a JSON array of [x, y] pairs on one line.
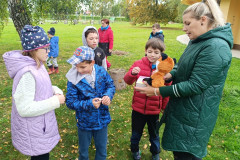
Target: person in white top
[[33, 123]]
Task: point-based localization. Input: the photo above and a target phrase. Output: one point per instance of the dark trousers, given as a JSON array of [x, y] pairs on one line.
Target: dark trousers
[[184, 156], [41, 157], [138, 122]]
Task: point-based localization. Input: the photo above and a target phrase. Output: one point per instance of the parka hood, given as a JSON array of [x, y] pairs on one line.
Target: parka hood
[[15, 61], [84, 41]]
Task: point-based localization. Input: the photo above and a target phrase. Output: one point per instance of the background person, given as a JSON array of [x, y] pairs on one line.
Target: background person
[[54, 51], [90, 38], [156, 32], [106, 39], [198, 82]]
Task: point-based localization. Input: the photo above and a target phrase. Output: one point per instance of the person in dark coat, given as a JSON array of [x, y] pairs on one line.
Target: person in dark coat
[[90, 38], [156, 32], [198, 82]]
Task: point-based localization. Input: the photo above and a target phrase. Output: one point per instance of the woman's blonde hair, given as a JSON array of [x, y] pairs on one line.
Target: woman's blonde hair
[[208, 8], [32, 54]]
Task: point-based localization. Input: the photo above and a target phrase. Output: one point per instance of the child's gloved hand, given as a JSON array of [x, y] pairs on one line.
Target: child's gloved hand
[[106, 100], [96, 102]]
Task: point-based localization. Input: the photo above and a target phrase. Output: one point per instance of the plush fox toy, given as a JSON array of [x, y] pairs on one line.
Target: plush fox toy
[[163, 67]]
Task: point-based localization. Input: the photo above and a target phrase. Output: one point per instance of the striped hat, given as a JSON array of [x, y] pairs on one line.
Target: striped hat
[[81, 54]]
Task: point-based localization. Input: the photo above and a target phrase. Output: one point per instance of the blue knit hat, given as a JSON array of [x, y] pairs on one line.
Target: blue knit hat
[[81, 54], [33, 37], [52, 31]]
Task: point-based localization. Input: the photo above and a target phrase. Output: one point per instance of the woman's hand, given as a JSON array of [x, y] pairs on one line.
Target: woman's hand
[[96, 102], [110, 50], [135, 70], [148, 90], [154, 72], [61, 98], [167, 76], [106, 100]]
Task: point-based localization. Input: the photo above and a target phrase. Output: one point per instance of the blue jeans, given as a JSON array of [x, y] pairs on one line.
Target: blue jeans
[[100, 140]]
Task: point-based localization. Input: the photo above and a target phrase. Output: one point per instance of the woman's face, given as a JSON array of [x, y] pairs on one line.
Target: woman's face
[[104, 24], [194, 27]]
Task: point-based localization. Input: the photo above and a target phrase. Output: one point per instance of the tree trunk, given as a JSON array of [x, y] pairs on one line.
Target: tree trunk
[[117, 76], [19, 14]]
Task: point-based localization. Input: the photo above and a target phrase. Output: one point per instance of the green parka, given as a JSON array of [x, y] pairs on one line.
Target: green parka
[[195, 94]]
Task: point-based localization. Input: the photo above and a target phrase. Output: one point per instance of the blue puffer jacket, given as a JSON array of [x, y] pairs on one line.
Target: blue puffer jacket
[[54, 48], [79, 98]]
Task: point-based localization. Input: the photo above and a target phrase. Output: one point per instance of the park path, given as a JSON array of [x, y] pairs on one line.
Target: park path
[[184, 39]]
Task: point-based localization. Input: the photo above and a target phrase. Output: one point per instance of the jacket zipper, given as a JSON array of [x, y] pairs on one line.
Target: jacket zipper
[[147, 96]]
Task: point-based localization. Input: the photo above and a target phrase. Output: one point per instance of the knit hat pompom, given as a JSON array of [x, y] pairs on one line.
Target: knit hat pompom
[[33, 37], [52, 31]]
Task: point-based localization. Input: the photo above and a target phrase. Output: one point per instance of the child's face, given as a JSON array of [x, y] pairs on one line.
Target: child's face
[[153, 54], [42, 54], [92, 40], [49, 35], [154, 30], [84, 67]]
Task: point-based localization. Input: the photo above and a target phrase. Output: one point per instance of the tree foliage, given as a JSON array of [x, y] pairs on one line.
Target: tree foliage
[[152, 11], [189, 2], [4, 14], [25, 12]]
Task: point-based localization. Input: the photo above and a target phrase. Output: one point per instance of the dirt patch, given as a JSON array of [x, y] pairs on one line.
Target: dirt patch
[[120, 53]]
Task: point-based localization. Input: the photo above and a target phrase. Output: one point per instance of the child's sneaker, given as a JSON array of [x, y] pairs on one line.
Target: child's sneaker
[[137, 155], [155, 157]]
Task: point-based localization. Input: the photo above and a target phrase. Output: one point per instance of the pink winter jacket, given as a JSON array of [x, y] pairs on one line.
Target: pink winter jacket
[[106, 36]]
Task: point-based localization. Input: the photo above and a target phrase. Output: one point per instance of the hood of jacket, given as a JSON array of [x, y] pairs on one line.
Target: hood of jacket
[[218, 33], [15, 61], [83, 35]]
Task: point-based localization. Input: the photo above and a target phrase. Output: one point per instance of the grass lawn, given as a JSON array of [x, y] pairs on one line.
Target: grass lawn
[[224, 143]]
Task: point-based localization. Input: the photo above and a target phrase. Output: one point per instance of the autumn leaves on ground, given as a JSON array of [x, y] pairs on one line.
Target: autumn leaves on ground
[[224, 144]]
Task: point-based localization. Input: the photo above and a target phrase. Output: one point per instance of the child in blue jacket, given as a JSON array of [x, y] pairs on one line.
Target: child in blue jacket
[[156, 32], [90, 90], [54, 50]]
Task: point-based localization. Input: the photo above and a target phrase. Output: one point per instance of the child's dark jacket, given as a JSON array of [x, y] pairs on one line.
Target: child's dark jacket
[[79, 98], [99, 56], [157, 35], [140, 102]]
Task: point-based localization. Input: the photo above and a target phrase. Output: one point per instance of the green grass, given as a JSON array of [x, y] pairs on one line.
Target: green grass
[[224, 143]]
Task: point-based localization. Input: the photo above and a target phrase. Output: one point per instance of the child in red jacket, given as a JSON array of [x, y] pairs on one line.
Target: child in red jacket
[[146, 109]]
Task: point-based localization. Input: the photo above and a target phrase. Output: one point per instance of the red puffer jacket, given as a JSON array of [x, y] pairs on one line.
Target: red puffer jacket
[[106, 36], [140, 102]]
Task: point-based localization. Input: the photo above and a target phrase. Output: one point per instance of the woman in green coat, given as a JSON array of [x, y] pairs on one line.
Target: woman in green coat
[[198, 82]]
